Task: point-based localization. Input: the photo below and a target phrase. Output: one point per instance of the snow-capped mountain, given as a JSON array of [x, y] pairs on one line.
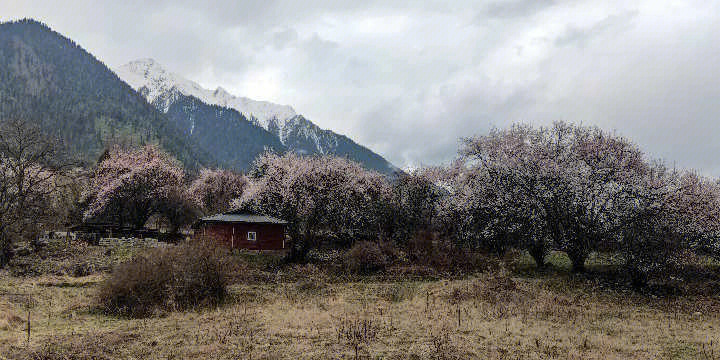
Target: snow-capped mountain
[[159, 85], [171, 94]]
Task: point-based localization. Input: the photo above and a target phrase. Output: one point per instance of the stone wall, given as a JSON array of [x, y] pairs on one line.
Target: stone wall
[[146, 242]]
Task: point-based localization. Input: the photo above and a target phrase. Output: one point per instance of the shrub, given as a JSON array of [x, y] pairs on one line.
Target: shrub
[[442, 255], [392, 252], [495, 288], [422, 246], [357, 334], [365, 257], [306, 289], [84, 268], [8, 317], [166, 279], [398, 292]]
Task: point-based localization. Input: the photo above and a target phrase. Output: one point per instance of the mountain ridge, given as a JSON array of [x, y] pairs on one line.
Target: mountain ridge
[[52, 81], [150, 75], [295, 132]]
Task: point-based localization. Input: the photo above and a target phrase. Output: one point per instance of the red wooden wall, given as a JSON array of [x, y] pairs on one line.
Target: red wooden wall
[[268, 236]]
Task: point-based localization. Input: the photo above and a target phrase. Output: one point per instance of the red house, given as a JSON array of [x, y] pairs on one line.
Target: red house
[[243, 231]]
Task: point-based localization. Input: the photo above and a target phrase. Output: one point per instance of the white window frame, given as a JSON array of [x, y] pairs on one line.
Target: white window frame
[[252, 236]]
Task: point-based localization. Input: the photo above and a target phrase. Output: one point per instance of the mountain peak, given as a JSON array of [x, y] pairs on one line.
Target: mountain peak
[[73, 96], [148, 73], [172, 94]]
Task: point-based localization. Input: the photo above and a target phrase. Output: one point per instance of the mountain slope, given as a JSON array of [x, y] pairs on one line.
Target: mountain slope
[[50, 80], [296, 133], [303, 136], [224, 133]]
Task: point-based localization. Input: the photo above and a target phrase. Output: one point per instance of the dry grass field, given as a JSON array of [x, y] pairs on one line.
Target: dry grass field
[[495, 315]]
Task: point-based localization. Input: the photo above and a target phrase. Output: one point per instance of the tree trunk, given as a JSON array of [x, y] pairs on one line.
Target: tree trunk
[[538, 254], [295, 251], [638, 278], [578, 266], [6, 252], [578, 261], [299, 249]]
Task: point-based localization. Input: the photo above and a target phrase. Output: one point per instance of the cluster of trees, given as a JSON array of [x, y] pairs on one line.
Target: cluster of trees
[[129, 185], [323, 197], [570, 188], [41, 188], [577, 189]]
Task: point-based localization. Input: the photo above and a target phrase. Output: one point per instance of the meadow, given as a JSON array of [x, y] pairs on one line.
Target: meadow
[[308, 312]]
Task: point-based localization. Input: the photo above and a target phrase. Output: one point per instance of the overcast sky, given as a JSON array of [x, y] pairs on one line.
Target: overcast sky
[[409, 80]]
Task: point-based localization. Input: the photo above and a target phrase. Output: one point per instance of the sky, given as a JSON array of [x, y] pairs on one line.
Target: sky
[[409, 79]]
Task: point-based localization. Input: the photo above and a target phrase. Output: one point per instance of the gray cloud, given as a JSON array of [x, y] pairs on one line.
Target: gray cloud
[[409, 81], [580, 36], [514, 9]]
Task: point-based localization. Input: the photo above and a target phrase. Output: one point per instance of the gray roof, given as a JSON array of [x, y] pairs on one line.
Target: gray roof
[[243, 218]]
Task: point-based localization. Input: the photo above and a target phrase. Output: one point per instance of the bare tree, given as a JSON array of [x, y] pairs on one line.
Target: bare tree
[[32, 168]]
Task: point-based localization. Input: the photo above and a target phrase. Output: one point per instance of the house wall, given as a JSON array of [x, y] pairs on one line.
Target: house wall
[[268, 236]]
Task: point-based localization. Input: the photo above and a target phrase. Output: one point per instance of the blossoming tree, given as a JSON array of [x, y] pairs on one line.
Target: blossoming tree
[[213, 190], [320, 196], [131, 185]]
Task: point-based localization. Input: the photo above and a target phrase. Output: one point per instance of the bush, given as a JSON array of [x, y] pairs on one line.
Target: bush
[[399, 291], [365, 257], [428, 249], [421, 246], [166, 279]]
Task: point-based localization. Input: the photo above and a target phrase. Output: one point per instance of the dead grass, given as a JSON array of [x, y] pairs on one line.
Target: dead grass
[[494, 315], [9, 318]]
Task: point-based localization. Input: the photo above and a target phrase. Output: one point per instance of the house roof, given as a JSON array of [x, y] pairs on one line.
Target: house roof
[[243, 218]]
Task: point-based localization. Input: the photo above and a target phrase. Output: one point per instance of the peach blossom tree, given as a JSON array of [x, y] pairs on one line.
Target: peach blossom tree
[[415, 200], [559, 183], [672, 212], [131, 185], [321, 197], [213, 190]]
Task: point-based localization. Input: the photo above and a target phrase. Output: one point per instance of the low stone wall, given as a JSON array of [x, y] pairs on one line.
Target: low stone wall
[[146, 242]]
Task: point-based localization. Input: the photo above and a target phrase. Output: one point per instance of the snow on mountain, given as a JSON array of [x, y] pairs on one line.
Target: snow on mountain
[[165, 89], [158, 86]]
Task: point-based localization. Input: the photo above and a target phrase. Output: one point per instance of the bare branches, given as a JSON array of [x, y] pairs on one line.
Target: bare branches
[[32, 169]]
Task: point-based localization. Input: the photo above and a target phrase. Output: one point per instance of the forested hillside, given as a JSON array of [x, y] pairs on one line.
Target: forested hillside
[[50, 80], [225, 133]]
